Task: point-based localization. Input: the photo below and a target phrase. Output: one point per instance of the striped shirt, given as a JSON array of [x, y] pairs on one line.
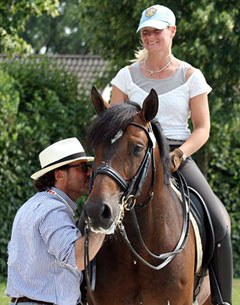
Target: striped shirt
[[41, 253]]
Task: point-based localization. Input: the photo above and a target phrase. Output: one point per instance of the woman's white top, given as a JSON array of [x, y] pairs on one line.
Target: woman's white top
[[174, 94]]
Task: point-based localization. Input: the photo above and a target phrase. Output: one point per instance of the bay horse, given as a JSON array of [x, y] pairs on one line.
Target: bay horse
[[148, 256]]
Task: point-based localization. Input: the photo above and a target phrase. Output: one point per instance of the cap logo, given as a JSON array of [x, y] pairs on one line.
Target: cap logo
[[150, 12]]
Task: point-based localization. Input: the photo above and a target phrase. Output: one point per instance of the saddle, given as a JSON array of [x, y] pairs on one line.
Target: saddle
[[202, 217], [203, 229]]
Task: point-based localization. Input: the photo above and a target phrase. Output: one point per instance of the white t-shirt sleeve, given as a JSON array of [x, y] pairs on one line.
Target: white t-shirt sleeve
[[122, 80], [197, 84]]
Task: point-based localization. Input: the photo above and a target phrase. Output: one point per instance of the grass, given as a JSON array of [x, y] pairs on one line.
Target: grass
[[4, 300], [236, 293]]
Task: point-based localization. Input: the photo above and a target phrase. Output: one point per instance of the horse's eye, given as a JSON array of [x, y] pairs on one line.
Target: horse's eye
[[137, 149]]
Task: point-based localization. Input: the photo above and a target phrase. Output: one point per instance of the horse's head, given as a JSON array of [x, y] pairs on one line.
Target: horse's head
[[123, 142]]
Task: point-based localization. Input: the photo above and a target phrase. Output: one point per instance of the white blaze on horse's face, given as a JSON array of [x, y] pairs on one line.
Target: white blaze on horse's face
[[117, 136]]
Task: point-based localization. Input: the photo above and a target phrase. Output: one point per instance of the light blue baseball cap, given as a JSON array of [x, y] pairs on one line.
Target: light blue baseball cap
[[158, 17]]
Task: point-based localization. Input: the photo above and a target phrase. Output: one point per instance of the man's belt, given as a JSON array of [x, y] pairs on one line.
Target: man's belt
[[27, 300]]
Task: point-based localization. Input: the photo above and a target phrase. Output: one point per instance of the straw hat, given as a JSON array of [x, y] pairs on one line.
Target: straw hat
[[59, 154]]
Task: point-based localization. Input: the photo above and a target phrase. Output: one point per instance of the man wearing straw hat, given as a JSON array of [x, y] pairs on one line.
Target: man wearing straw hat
[[46, 250]]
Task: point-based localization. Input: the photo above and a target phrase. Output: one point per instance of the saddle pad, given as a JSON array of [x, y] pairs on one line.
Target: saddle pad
[[198, 241]]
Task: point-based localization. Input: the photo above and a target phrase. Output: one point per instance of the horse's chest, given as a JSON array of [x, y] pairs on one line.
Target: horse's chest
[[133, 291], [130, 283]]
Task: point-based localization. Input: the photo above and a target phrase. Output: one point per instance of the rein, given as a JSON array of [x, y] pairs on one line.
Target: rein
[[169, 256], [90, 269]]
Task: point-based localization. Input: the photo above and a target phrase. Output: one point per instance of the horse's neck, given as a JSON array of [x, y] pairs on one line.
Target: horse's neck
[[162, 216]]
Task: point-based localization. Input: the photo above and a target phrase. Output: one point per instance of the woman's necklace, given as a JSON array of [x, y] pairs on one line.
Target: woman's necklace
[[157, 71]]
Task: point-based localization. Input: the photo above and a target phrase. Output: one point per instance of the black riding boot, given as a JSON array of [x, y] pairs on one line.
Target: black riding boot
[[221, 265]]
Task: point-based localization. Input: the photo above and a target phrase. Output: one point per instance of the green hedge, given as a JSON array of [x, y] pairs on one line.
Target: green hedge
[[224, 177], [38, 106]]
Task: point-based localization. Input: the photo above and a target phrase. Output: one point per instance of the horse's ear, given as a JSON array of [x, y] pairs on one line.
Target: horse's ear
[[98, 102], [150, 106]]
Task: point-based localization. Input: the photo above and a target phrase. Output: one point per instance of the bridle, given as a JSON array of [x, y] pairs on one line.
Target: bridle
[[132, 189]]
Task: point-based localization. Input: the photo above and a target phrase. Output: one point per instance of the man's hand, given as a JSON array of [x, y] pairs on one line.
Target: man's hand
[[177, 157]]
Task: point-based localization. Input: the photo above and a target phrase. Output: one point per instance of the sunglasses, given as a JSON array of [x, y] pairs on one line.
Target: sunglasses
[[83, 166]]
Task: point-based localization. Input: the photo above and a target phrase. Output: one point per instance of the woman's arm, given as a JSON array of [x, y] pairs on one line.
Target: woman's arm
[[118, 96], [201, 124]]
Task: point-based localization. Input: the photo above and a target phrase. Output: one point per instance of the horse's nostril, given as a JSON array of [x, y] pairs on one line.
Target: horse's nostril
[[98, 215], [106, 212]]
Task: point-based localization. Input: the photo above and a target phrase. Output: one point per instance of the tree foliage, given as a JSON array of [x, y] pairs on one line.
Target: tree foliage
[[39, 105], [62, 34], [13, 18]]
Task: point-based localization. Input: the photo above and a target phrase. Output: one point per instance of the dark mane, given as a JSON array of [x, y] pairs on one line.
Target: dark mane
[[110, 121], [107, 125], [163, 148]]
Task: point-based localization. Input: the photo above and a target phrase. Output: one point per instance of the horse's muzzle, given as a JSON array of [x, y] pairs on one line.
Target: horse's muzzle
[[99, 217]]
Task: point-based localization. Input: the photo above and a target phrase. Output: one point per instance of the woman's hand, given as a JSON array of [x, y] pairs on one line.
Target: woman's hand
[[177, 157]]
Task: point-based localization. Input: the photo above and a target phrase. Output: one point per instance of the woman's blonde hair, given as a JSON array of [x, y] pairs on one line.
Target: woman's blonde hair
[[140, 55]]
